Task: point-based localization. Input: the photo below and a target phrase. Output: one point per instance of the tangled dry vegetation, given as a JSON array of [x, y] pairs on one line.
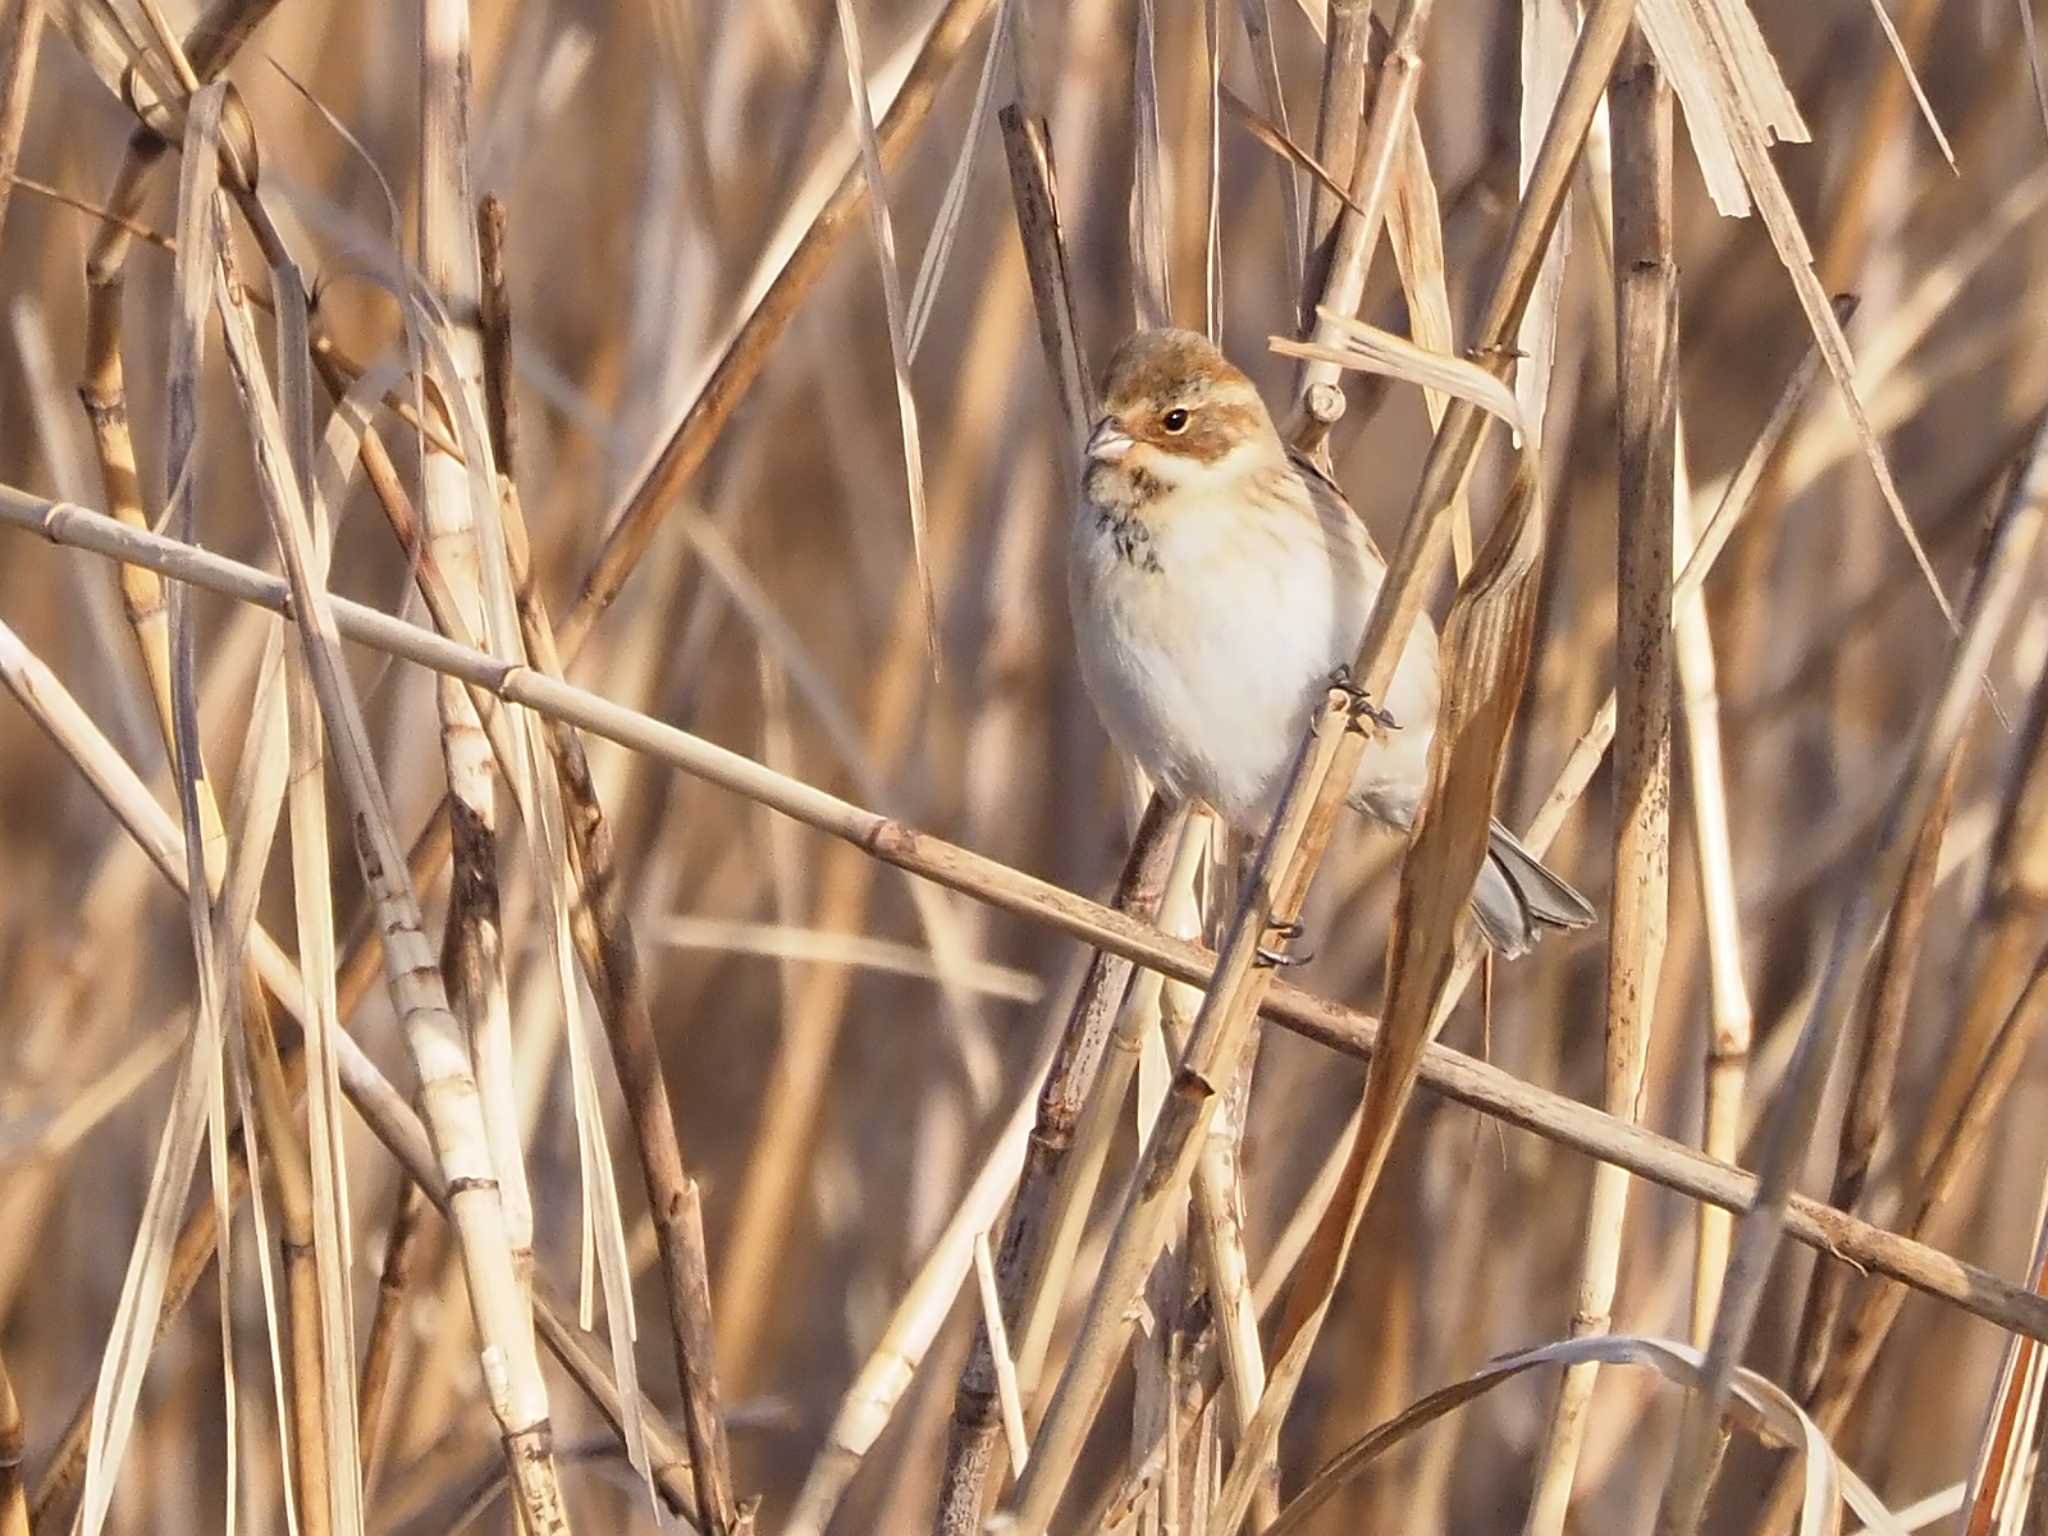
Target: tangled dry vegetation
[[629, 980]]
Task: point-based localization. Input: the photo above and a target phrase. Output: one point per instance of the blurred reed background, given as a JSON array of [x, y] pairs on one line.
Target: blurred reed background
[[847, 1056]]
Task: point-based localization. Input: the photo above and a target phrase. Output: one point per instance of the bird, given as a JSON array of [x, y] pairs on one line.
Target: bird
[[1219, 582]]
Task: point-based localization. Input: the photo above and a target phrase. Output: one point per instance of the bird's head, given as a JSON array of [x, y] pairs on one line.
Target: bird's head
[[1176, 415]]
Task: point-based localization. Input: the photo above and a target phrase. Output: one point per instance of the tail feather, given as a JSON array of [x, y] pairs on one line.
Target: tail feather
[[1516, 898]]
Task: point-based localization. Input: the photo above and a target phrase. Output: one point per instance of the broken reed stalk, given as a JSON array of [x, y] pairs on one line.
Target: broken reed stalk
[[1357, 235], [1474, 1083], [605, 946], [1784, 1136], [1339, 116], [1021, 1258], [1646, 394]]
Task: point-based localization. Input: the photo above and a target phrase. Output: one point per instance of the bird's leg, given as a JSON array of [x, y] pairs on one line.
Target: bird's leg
[[1287, 932], [1362, 707]]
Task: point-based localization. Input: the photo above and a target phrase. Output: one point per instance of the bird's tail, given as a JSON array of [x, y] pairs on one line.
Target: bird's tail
[[1517, 898]]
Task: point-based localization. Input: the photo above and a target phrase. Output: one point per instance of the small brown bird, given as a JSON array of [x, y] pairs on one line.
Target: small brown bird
[[1218, 582]]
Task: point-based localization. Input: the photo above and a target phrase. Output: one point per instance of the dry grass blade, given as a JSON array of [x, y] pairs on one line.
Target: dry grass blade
[[931, 268], [1151, 280], [386, 1111], [1485, 650], [1764, 1408], [685, 448], [1997, 590], [1547, 31], [901, 345], [1258, 32]]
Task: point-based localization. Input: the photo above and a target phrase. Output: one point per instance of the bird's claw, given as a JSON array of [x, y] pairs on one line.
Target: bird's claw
[[1269, 958], [1361, 707]]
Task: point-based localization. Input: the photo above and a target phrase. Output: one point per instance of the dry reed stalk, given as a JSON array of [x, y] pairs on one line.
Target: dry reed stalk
[[740, 363], [603, 935], [881, 1381], [2004, 968], [1340, 115], [19, 46], [13, 1447], [447, 1089], [384, 1109], [1357, 234], [1784, 1137], [1863, 1336], [1882, 1034], [1024, 1250], [1729, 1012], [1450, 1073], [1646, 391], [472, 946], [380, 1347]]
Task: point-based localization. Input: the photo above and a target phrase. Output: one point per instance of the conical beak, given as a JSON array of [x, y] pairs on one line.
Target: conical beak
[[1109, 441]]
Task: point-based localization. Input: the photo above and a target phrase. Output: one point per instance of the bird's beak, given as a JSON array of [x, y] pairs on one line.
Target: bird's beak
[[1108, 442]]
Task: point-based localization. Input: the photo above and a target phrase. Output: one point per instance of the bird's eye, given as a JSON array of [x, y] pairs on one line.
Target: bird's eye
[[1175, 420]]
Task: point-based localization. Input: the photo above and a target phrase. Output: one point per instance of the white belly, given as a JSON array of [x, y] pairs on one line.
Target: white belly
[[1206, 657]]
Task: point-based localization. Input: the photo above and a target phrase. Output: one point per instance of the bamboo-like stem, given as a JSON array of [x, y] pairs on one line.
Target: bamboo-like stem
[[605, 946], [1646, 389], [447, 1089], [380, 1349], [1992, 599], [1450, 1073], [1357, 233], [472, 946]]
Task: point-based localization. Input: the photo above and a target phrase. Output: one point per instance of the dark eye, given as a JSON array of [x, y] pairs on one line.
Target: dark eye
[[1175, 420]]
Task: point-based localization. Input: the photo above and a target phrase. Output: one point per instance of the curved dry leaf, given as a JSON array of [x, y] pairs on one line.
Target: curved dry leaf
[[1366, 348]]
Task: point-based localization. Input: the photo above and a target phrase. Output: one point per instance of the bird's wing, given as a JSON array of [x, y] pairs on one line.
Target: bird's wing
[[1332, 506]]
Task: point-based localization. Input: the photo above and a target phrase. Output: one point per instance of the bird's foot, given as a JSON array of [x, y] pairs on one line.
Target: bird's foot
[[1361, 707], [1270, 958]]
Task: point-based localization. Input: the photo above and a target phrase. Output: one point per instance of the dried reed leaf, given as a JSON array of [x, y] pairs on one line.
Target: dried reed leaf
[[1258, 32], [1367, 348], [1764, 1409], [884, 234], [1548, 32], [931, 269], [1749, 126], [1274, 137], [1151, 281]]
